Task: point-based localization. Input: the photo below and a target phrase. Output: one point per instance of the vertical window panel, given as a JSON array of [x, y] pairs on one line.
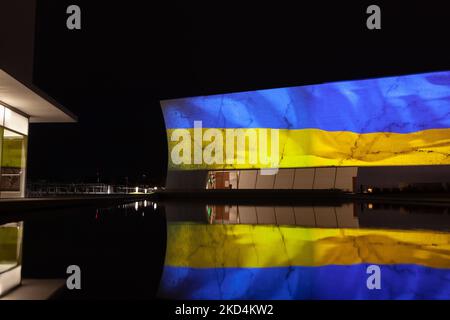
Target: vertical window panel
[[13, 163], [15, 121], [2, 115]]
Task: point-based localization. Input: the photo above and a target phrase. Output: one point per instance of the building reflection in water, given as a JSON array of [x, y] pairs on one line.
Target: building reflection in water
[[263, 252], [319, 216], [100, 241], [11, 235], [237, 251]]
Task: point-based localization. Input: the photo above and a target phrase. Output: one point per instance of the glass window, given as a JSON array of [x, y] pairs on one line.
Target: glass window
[[2, 114], [11, 236], [10, 245], [16, 122], [13, 163]]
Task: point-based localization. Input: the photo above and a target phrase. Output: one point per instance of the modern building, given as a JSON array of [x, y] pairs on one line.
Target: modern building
[[357, 135], [21, 103]]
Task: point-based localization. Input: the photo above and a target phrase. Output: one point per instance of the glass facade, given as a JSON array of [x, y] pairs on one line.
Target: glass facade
[[13, 153], [11, 236]]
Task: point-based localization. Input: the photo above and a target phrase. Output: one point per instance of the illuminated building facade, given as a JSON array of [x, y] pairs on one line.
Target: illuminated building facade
[[323, 136]]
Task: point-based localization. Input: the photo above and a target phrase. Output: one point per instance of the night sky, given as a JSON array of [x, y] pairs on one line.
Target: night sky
[[129, 55]]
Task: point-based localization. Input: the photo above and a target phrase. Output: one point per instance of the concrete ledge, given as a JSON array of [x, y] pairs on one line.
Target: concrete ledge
[[10, 279], [35, 289]]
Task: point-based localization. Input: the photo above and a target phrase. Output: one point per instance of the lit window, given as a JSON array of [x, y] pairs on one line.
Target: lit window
[[2, 114], [13, 159], [15, 121]]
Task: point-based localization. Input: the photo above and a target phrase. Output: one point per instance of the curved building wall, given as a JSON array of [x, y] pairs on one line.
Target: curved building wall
[[330, 128], [177, 179]]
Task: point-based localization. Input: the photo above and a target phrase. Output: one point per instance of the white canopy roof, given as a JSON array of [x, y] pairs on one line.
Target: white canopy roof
[[31, 101]]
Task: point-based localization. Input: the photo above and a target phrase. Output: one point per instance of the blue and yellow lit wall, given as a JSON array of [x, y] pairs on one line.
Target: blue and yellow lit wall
[[402, 120], [225, 261]]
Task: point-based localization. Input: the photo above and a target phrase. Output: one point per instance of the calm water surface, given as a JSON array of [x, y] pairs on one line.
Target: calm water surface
[[198, 251]]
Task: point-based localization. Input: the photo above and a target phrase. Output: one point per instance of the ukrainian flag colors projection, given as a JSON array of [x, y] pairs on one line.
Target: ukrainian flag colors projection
[[288, 262], [403, 120]]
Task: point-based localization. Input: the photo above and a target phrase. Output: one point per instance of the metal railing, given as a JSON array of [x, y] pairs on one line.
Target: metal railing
[[48, 189]]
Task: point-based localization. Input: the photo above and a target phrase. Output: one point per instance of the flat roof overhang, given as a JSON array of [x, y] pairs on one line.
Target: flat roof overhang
[[31, 101]]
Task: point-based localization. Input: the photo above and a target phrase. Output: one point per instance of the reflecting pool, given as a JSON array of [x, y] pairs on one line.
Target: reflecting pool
[[251, 252], [196, 250]]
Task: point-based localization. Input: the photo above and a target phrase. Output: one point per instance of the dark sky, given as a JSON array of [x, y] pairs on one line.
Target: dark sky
[[129, 55]]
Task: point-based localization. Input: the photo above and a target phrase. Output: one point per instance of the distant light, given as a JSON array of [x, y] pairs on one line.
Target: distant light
[[137, 189], [155, 188], [370, 206], [145, 203], [155, 206], [145, 190], [209, 211], [369, 190], [136, 206], [109, 189]]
